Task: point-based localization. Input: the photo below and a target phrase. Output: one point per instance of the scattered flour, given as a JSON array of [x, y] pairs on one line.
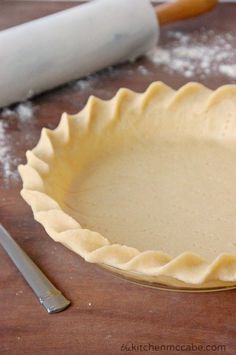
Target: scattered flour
[[228, 69], [143, 70], [6, 112], [24, 111], [8, 163], [19, 293], [82, 84], [197, 54], [95, 80]]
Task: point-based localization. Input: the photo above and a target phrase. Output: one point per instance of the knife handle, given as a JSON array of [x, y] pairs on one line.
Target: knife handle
[[49, 296], [183, 9]]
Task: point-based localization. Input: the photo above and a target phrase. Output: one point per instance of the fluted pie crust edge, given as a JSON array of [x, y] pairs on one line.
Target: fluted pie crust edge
[[98, 115]]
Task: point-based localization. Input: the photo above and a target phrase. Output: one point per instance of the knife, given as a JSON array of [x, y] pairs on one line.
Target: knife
[[48, 295]]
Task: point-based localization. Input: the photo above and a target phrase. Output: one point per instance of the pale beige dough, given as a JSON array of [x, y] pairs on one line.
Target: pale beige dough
[[160, 196], [145, 183]]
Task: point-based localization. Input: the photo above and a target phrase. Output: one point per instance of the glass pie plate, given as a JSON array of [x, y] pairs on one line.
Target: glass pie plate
[[165, 283], [144, 185]]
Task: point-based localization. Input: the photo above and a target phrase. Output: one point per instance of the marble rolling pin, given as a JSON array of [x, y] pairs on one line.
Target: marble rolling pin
[[48, 52]]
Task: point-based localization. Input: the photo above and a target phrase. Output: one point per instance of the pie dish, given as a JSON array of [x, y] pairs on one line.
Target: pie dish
[[143, 184]]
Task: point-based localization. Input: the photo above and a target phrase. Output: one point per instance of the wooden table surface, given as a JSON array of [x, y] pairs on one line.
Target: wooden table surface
[[106, 312]]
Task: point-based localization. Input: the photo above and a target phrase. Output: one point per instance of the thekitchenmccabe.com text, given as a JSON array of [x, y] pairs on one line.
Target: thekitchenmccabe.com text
[[149, 347]]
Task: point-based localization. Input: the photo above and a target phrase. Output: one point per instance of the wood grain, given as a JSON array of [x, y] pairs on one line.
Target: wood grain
[[106, 311]]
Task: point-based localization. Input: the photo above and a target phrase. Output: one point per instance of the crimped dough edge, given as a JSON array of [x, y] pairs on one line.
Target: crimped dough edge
[[187, 268]]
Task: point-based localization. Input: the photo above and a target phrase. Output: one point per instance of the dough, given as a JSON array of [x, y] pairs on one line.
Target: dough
[[144, 183]]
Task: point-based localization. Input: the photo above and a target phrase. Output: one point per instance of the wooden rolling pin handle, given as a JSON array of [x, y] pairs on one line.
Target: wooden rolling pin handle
[[183, 9]]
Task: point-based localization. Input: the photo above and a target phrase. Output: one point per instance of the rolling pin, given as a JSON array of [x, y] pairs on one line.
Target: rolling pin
[[48, 52]]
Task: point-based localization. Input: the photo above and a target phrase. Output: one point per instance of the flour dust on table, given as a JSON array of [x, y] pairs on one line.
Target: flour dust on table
[[8, 163], [22, 114], [23, 111], [199, 53]]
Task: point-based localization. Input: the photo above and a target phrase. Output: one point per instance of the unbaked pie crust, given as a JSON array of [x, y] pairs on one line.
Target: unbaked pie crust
[[144, 183]]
